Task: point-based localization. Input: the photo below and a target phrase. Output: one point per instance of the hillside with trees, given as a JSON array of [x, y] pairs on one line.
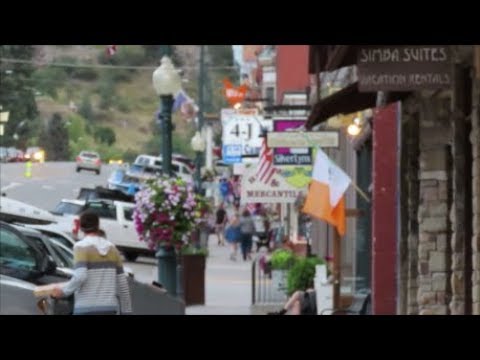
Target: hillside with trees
[[100, 102]]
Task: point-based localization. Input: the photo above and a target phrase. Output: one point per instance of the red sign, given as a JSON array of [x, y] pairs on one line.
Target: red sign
[[234, 95]]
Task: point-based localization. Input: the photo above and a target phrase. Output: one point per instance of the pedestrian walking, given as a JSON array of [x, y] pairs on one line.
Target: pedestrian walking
[[233, 236], [99, 283], [220, 221], [247, 229]]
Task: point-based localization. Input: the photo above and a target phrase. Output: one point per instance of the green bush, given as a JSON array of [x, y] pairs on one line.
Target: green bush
[[302, 273], [192, 250], [282, 259], [85, 73], [48, 80], [123, 104], [76, 127], [104, 135], [129, 156]]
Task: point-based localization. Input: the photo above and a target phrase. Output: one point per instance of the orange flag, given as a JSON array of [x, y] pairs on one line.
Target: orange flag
[[325, 199]]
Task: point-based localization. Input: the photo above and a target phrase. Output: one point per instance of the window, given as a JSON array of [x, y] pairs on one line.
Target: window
[[62, 255], [68, 208], [270, 95], [59, 238], [128, 214], [104, 211], [89, 155], [15, 254]]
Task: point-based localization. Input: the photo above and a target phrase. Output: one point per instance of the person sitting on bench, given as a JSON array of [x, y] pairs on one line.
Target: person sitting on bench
[[302, 302]]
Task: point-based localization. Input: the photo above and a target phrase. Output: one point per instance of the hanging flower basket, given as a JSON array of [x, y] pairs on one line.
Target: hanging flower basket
[[166, 212]]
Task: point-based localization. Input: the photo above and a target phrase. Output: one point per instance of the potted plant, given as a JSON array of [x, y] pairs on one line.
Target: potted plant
[[167, 211], [302, 273], [280, 262]]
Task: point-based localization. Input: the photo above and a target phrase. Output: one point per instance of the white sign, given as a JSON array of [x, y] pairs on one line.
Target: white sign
[[325, 139], [244, 128], [276, 191]]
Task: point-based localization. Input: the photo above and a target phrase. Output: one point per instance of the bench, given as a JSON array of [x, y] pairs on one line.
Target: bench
[[361, 305]]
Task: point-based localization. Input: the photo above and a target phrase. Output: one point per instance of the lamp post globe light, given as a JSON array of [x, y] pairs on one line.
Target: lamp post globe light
[[167, 83], [198, 144]]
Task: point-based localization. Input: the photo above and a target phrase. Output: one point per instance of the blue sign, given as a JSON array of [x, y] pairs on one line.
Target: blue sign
[[232, 154]]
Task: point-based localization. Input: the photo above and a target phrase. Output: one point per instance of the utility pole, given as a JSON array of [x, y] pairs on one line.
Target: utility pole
[[201, 109]]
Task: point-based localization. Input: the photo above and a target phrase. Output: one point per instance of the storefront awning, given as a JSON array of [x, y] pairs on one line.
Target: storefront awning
[[347, 101]]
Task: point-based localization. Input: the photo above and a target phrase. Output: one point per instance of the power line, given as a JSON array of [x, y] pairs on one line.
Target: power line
[[104, 66]]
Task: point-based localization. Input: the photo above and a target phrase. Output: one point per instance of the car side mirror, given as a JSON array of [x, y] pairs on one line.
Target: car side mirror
[[48, 266]]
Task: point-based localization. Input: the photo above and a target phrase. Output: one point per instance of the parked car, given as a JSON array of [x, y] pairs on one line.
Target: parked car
[[68, 207], [116, 219], [89, 160], [180, 166]]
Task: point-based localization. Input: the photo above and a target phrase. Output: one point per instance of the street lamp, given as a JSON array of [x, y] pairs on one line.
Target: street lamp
[[167, 83], [198, 145]]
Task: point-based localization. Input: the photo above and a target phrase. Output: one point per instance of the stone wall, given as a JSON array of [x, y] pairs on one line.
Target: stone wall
[[433, 213]]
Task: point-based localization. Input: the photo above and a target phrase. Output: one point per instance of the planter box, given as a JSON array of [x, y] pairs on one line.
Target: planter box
[[194, 279], [279, 280]]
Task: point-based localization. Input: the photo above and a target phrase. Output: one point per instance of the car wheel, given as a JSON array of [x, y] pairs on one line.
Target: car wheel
[[131, 256], [78, 169]]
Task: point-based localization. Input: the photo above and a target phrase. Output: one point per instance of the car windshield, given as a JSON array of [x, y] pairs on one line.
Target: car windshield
[[68, 208]]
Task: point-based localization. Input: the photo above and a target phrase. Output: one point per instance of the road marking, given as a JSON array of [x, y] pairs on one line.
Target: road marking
[[48, 187], [11, 186]]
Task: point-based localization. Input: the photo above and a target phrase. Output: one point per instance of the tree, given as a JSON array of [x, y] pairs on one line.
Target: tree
[[85, 109], [105, 135], [17, 95], [54, 139]]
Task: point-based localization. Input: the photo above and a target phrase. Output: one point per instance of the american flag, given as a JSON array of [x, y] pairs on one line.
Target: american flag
[[111, 50], [265, 168]]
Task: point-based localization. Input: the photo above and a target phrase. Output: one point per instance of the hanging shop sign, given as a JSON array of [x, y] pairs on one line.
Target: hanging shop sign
[[404, 68]]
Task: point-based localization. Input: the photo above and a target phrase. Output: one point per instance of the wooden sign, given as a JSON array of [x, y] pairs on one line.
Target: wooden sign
[[404, 67]]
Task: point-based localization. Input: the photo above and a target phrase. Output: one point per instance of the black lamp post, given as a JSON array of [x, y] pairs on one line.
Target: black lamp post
[[167, 83]]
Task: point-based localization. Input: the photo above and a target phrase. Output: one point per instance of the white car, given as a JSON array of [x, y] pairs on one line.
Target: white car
[[180, 168]]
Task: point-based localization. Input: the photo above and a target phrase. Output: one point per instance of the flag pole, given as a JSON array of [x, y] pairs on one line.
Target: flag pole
[[355, 186]]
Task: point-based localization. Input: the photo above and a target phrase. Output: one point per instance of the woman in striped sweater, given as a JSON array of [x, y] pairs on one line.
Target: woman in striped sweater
[[99, 283]]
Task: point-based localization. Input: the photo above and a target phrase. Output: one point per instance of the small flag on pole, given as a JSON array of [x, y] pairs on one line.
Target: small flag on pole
[[325, 199], [265, 168], [111, 50]]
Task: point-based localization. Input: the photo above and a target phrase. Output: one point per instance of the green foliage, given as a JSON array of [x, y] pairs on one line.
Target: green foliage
[[129, 155], [123, 104], [84, 73], [17, 95], [105, 135], [193, 250], [54, 139], [302, 273], [49, 80], [76, 127], [282, 259], [85, 109], [106, 90]]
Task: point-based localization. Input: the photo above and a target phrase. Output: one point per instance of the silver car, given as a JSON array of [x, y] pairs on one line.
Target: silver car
[[89, 160]]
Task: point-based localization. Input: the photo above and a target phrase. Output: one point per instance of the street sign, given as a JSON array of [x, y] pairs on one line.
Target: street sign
[[404, 67], [232, 154], [324, 139], [244, 128]]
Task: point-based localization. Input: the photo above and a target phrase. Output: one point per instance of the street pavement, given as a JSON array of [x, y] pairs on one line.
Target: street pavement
[[228, 283]]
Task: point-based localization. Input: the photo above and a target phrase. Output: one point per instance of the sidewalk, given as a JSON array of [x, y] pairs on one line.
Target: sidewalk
[[227, 283]]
